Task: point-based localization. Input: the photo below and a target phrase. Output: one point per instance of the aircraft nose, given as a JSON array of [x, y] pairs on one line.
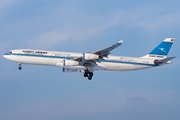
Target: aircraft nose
[[5, 55]]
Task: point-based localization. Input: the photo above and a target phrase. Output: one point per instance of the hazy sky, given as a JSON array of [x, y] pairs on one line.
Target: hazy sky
[[46, 93]]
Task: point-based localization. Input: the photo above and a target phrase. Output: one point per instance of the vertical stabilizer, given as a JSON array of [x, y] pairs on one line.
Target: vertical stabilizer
[[162, 50]]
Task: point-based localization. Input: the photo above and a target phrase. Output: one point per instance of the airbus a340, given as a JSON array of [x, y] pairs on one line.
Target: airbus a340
[[89, 62]]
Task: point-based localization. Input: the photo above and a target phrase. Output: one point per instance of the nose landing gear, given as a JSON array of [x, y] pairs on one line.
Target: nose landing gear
[[20, 68], [88, 74]]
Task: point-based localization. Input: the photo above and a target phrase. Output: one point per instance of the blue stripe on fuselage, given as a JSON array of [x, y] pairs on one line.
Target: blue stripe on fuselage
[[37, 55], [114, 61], [71, 58]]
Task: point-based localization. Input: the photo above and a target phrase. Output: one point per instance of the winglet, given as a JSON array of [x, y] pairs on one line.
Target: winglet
[[121, 41]]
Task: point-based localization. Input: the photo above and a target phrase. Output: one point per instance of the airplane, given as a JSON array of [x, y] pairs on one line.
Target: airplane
[[89, 62]]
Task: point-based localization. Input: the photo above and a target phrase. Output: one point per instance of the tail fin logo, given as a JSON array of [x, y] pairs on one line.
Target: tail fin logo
[[162, 49]]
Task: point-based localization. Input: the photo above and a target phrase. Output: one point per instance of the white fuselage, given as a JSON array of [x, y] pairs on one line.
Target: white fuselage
[[66, 60]]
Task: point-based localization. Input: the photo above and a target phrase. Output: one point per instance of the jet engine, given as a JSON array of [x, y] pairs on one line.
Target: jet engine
[[157, 62], [90, 56], [67, 70], [70, 63]]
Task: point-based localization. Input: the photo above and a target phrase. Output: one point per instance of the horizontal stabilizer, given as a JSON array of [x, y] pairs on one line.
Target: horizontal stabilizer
[[157, 62]]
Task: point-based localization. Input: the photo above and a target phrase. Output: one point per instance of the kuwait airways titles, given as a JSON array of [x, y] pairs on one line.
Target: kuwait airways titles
[[34, 52]]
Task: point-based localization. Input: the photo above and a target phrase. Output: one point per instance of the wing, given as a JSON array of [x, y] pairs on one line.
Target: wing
[[105, 52], [100, 53]]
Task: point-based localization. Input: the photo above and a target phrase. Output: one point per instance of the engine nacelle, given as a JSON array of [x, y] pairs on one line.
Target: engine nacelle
[[90, 56], [69, 70], [70, 63], [157, 62]]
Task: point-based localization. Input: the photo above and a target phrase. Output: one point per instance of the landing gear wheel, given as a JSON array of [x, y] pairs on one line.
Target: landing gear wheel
[[88, 74], [91, 74], [85, 75], [20, 68], [89, 77]]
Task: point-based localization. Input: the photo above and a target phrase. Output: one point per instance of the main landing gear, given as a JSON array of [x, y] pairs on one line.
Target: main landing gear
[[20, 68], [88, 74]]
